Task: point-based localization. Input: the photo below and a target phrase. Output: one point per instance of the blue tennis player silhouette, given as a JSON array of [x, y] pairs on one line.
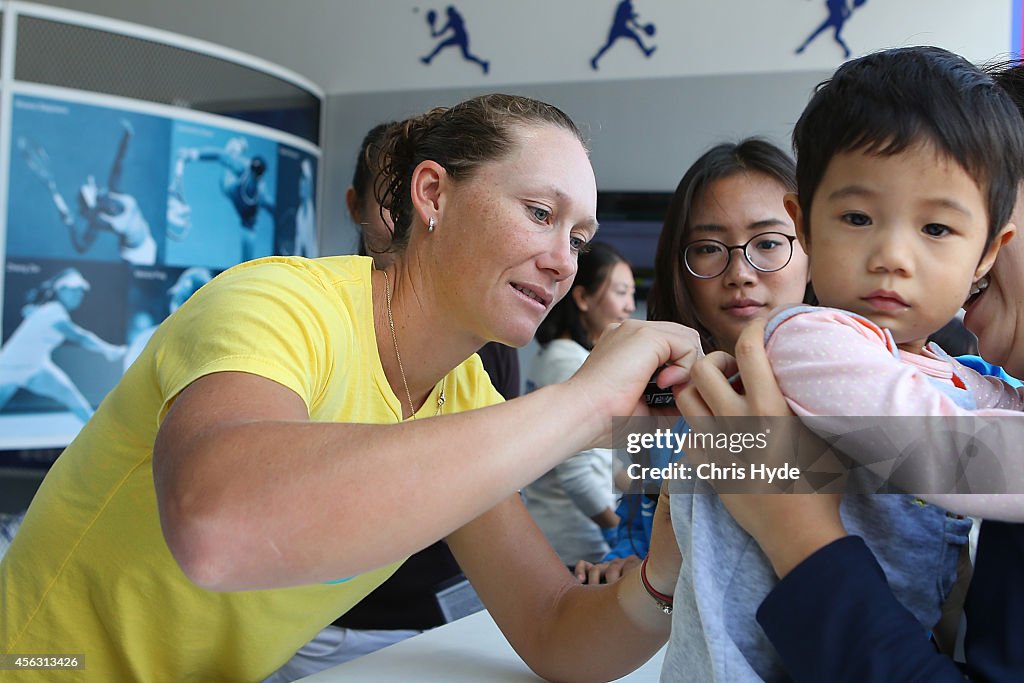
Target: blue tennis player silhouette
[[622, 27], [460, 37], [838, 13]]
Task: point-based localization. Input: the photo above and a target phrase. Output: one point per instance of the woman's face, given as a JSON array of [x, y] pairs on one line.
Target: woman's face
[[70, 297], [507, 238], [732, 210], [997, 315], [613, 301]]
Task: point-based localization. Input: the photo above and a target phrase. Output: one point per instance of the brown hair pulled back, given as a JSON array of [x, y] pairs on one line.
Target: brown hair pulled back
[[460, 138]]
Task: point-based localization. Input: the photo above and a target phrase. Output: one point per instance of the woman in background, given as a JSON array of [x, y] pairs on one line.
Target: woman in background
[[731, 195], [574, 503]]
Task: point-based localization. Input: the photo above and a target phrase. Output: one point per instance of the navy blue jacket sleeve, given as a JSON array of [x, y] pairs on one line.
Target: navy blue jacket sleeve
[[994, 645], [834, 618]]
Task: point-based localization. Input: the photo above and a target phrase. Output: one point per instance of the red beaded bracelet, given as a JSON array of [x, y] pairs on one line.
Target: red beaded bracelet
[[664, 601]]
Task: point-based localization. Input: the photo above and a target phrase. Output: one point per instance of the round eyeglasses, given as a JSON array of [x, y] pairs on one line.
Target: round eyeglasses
[[766, 252]]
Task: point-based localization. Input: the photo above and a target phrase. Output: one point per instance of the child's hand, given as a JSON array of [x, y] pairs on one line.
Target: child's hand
[[605, 572]]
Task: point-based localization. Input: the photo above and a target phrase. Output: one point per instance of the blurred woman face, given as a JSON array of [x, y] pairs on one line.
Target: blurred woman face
[[996, 314], [613, 302], [732, 210], [70, 297]]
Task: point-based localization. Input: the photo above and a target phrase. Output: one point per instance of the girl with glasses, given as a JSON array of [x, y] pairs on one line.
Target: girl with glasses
[[574, 502], [730, 195]]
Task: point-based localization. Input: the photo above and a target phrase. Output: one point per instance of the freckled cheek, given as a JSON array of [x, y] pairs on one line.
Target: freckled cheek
[[499, 224], [490, 239]]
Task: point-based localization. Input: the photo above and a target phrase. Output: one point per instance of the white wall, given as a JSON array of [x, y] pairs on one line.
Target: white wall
[[723, 69], [349, 46], [643, 133]]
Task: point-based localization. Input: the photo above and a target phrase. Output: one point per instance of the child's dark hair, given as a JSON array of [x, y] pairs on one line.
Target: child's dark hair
[[889, 101], [459, 138], [669, 298], [595, 267]]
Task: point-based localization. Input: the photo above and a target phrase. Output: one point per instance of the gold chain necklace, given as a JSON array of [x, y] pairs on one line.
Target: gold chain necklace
[[398, 356]]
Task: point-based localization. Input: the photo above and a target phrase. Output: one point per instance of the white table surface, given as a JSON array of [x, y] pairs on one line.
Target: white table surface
[[470, 649]]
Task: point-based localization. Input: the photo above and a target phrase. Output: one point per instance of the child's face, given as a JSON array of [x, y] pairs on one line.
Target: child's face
[[732, 210], [898, 239]]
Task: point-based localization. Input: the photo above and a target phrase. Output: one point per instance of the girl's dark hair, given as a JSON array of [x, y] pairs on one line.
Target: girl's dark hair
[[595, 267], [460, 139], [365, 175], [669, 298]]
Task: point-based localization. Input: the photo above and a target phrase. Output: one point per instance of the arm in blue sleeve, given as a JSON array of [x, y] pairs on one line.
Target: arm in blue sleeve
[[986, 368], [637, 510], [635, 528], [834, 618]]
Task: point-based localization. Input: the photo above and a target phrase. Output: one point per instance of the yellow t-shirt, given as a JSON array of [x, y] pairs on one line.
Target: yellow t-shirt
[[89, 571]]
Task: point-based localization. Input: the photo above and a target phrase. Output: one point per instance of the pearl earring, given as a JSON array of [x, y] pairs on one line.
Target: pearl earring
[[430, 224]]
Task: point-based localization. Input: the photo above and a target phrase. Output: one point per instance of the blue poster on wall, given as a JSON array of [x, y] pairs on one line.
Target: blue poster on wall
[[63, 340], [223, 190], [83, 183], [296, 202], [153, 294], [115, 217]]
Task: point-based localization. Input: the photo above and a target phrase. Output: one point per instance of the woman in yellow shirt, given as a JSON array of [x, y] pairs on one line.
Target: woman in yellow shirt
[[268, 459]]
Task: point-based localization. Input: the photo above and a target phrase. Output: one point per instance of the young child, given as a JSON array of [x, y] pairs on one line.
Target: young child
[[908, 163]]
